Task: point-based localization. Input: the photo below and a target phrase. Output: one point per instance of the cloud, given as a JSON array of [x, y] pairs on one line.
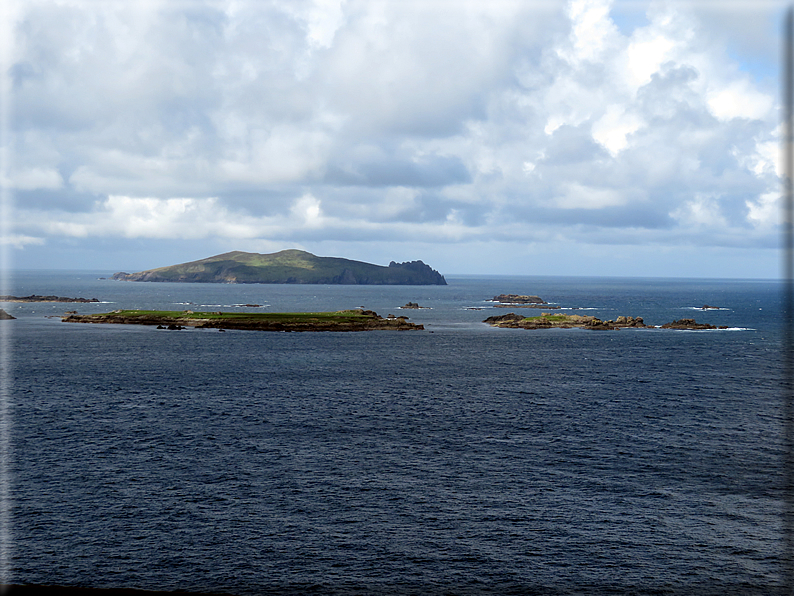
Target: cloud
[[36, 178], [19, 241], [371, 120]]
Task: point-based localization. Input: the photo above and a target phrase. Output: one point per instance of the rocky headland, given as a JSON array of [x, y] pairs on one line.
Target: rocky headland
[[345, 320]]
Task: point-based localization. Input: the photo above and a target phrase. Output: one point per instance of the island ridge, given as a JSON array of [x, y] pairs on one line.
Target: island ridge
[[289, 267]]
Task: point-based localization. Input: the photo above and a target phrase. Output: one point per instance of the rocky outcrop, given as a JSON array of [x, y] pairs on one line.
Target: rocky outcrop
[[521, 301], [690, 324], [4, 316], [412, 305], [544, 305], [518, 299]]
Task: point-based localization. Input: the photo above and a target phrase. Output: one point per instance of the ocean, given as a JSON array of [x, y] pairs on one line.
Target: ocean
[[462, 459]]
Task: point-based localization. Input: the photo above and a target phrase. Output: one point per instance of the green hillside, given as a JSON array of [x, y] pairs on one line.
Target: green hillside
[[289, 267]]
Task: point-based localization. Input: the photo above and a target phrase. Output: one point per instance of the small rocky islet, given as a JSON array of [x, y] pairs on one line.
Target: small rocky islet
[[37, 298], [521, 301]]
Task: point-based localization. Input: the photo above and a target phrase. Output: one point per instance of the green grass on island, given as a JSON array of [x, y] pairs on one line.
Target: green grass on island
[[343, 320], [288, 267], [547, 317], [238, 316]]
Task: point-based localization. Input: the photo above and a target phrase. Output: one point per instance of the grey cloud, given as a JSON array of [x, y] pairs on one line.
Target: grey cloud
[[572, 145], [426, 172], [69, 201]]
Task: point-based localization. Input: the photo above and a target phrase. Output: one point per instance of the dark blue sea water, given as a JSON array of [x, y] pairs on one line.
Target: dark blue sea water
[[463, 459]]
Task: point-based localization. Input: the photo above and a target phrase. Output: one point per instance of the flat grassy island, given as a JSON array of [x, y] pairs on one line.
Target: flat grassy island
[[343, 320], [561, 321]]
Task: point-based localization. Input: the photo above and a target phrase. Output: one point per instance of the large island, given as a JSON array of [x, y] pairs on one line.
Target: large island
[[343, 320], [289, 267]]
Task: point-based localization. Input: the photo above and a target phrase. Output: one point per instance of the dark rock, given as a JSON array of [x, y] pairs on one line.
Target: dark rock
[[690, 324], [37, 298], [4, 316], [518, 299], [511, 316]]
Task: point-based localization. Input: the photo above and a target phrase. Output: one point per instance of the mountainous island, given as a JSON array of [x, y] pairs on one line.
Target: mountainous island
[[289, 267]]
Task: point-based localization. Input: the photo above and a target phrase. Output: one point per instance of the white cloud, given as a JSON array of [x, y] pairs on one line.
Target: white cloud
[[592, 31], [577, 196], [765, 211], [324, 20], [307, 210], [614, 126], [20, 241], [649, 48], [702, 211], [739, 100], [136, 217]]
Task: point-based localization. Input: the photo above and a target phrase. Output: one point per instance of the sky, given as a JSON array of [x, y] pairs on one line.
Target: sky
[[589, 137]]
